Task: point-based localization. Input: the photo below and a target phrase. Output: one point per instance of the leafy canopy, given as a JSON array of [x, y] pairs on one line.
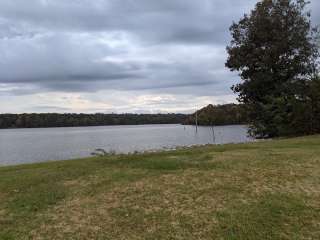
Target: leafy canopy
[[274, 49]]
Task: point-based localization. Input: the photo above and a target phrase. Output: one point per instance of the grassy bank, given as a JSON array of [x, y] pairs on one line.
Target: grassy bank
[[265, 190]]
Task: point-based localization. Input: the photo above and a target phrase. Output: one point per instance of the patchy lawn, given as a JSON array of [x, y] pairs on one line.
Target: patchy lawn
[[263, 190]]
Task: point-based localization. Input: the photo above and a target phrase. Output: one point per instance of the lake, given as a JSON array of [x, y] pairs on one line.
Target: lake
[[19, 146]]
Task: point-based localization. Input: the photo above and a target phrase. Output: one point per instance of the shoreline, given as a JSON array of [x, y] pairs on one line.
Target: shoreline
[[134, 153]]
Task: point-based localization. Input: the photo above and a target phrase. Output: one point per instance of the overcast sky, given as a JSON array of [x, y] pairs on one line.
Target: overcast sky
[[117, 55]]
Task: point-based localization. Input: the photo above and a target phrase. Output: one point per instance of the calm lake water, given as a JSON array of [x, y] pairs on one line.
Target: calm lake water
[[19, 146]]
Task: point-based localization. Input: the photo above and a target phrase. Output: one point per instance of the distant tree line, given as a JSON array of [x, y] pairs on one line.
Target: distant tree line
[[275, 49], [227, 114], [44, 120]]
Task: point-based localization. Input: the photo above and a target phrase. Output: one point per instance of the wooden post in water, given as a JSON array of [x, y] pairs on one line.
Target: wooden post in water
[[213, 135], [196, 121]]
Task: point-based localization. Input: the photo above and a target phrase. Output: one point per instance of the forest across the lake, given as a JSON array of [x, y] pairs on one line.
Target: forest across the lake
[[227, 114], [44, 120]]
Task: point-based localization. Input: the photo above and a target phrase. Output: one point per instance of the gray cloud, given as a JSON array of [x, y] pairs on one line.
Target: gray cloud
[[158, 47], [51, 109], [172, 20]]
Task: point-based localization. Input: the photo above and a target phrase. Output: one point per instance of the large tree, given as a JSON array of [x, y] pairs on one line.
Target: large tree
[[274, 49]]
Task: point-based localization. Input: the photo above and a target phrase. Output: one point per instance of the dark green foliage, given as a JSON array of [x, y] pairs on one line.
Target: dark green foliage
[[228, 114], [274, 49], [314, 104], [74, 120]]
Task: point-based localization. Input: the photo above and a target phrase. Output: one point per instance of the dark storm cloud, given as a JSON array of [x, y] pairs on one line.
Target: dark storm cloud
[[85, 45]]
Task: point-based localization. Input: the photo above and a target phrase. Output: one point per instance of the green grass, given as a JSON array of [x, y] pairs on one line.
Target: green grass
[[263, 190]]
